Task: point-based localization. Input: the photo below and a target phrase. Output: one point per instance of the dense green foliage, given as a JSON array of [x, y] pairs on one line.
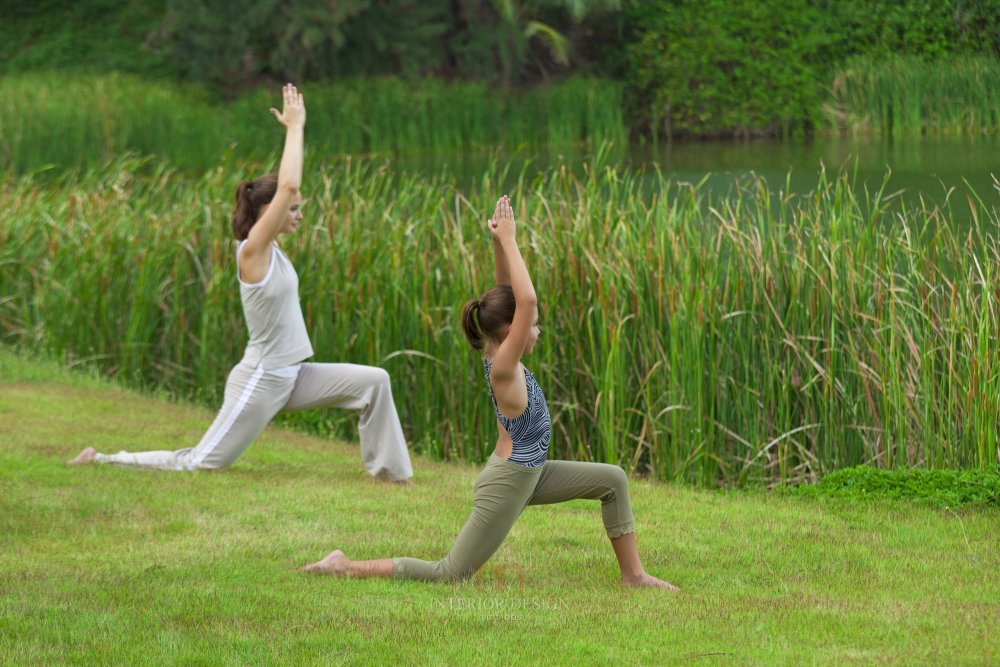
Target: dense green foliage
[[929, 29], [233, 45], [689, 335], [104, 565], [707, 67], [699, 67], [84, 35], [940, 488], [514, 40], [84, 120], [691, 67]]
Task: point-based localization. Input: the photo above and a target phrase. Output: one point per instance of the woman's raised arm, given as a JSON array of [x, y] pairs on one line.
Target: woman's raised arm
[[258, 246]]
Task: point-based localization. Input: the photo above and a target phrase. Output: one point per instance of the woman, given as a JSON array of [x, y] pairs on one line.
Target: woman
[[271, 376], [504, 325]]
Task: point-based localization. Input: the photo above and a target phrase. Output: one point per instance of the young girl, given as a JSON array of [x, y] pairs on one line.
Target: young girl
[[271, 376], [504, 325]]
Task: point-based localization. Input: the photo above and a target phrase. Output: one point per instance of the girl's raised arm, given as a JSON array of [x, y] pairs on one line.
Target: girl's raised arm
[[501, 274], [508, 354]]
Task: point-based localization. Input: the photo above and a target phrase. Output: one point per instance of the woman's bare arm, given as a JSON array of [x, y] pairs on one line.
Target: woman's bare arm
[[255, 257]]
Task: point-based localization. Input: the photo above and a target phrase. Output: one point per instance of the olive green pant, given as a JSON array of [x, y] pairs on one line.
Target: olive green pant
[[502, 491]]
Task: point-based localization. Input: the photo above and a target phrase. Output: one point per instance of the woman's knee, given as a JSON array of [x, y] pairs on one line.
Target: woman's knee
[[214, 461], [380, 378]]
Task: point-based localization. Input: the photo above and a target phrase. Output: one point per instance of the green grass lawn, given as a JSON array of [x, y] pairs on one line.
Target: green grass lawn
[[103, 565]]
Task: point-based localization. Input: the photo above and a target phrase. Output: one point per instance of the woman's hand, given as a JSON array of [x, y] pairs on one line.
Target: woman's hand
[[502, 223], [294, 112]]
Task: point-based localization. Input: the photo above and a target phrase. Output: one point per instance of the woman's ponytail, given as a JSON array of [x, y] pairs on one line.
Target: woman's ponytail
[[243, 217], [250, 197]]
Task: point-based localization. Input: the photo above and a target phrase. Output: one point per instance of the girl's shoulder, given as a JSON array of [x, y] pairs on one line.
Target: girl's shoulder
[[520, 370], [521, 377]]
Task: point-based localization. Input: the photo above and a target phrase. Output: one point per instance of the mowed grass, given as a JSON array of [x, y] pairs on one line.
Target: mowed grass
[[109, 565]]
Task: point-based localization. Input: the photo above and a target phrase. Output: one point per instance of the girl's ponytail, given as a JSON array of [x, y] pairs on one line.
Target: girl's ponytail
[[488, 318], [470, 324]]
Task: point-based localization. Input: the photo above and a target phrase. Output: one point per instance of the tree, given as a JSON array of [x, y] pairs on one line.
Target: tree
[[231, 45], [531, 37]]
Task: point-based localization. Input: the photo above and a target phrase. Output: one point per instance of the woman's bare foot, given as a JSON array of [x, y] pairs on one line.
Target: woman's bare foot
[[646, 580], [88, 455], [335, 563]]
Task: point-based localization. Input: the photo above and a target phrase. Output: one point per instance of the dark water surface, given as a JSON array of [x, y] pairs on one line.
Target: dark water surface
[[919, 166]]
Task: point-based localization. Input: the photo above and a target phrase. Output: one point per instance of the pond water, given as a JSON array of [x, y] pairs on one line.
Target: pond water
[[919, 166]]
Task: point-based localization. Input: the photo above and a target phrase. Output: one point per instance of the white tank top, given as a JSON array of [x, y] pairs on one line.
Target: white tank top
[[271, 307]]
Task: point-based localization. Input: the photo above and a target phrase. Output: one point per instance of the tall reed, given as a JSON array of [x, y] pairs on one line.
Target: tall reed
[[907, 95], [81, 121], [758, 338]]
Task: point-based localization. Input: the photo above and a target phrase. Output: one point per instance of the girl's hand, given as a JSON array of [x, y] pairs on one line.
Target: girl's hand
[[502, 223], [294, 112]]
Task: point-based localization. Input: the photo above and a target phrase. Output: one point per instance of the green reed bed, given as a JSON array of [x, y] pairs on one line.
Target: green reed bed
[[82, 120], [758, 338], [907, 95]]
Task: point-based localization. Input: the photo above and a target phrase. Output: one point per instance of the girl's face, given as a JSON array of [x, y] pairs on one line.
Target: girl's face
[[533, 333], [532, 336]]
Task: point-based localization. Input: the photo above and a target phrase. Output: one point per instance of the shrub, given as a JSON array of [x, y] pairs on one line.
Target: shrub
[[942, 488], [746, 67], [711, 67]]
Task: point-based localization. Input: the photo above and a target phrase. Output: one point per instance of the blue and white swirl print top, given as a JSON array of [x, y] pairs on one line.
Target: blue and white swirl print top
[[531, 431]]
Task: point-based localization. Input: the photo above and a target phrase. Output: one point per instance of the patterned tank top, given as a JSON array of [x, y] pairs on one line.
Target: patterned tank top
[[531, 431]]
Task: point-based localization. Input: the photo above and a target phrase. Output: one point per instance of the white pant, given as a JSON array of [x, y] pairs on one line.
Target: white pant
[[254, 396]]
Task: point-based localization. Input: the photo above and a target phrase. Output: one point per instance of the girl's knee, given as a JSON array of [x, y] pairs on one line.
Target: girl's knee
[[449, 570], [616, 480]]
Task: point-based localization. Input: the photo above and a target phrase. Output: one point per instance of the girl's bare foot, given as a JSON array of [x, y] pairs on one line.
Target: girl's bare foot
[[646, 580], [88, 455], [335, 563]]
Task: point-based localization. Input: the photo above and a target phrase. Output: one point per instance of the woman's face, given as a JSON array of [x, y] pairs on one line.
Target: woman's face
[[294, 216]]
